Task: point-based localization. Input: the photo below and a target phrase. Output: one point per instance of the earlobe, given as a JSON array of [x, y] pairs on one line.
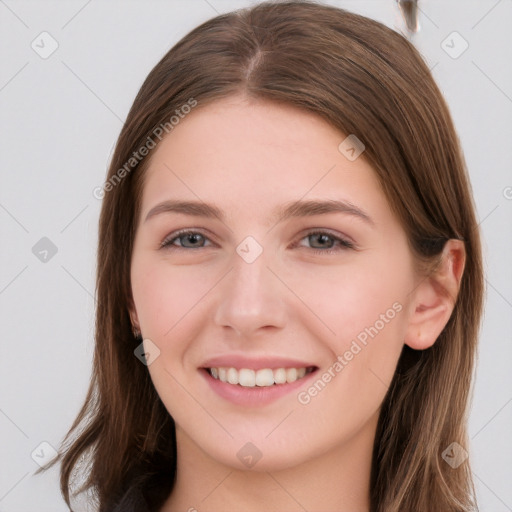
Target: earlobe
[[435, 297], [133, 314]]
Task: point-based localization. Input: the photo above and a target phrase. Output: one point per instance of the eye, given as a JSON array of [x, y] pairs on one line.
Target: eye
[[323, 242], [187, 240]]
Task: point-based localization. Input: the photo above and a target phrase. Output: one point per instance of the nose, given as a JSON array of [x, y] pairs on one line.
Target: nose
[[251, 298]]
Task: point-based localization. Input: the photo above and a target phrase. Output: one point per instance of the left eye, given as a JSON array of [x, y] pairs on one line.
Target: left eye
[[322, 241]]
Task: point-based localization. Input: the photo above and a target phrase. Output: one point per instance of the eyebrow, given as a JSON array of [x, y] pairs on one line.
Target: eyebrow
[[298, 208]]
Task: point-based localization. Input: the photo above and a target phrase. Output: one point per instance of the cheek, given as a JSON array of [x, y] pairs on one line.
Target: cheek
[[361, 317], [166, 294], [171, 301], [344, 303], [369, 321]]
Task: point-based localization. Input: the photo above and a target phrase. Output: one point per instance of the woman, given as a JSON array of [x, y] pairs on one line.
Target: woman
[[289, 279]]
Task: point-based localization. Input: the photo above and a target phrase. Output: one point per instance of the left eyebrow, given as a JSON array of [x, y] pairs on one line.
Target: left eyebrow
[[298, 208], [316, 207]]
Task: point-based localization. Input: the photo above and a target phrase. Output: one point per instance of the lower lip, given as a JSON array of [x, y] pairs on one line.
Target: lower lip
[[253, 396]]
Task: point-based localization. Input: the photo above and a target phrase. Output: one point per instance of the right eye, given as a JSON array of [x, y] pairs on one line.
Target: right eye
[[187, 239]]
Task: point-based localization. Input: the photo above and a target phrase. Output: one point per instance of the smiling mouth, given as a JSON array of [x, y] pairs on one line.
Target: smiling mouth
[[265, 377]]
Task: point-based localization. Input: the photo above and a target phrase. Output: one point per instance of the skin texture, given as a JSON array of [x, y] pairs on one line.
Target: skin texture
[[249, 158]]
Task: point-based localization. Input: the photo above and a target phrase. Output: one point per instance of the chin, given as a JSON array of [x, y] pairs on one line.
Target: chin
[[259, 455]]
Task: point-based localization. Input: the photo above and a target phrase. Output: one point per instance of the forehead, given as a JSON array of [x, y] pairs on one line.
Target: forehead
[[252, 154]]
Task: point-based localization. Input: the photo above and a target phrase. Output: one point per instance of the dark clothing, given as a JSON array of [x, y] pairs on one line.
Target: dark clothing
[[133, 501], [145, 494]]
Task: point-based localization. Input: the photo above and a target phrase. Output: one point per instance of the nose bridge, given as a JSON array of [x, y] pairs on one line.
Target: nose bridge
[[250, 297]]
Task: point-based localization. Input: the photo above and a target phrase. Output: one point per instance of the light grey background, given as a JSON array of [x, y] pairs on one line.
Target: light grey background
[[60, 117]]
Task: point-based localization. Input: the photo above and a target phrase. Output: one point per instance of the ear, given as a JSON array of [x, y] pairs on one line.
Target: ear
[[133, 314], [434, 298]]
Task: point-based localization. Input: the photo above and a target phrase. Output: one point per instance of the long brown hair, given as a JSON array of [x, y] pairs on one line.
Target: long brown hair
[[364, 79]]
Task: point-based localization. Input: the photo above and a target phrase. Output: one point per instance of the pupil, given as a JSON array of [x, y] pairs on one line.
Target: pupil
[[323, 239], [193, 239]]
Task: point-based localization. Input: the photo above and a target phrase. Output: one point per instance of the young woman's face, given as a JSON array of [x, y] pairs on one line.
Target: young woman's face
[[266, 254]]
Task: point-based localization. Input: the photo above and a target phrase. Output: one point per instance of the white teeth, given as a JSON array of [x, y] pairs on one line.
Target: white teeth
[[232, 375], [279, 376], [265, 377], [262, 378], [246, 377], [291, 375]]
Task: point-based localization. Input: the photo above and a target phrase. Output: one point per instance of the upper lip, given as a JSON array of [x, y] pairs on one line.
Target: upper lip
[[254, 363]]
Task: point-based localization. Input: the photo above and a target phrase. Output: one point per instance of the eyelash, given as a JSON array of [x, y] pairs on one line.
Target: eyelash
[[343, 243]]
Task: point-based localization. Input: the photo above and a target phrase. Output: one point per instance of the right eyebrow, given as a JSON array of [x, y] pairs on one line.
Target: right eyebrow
[[196, 208]]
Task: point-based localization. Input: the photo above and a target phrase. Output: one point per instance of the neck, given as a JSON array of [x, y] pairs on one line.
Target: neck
[[338, 480]]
